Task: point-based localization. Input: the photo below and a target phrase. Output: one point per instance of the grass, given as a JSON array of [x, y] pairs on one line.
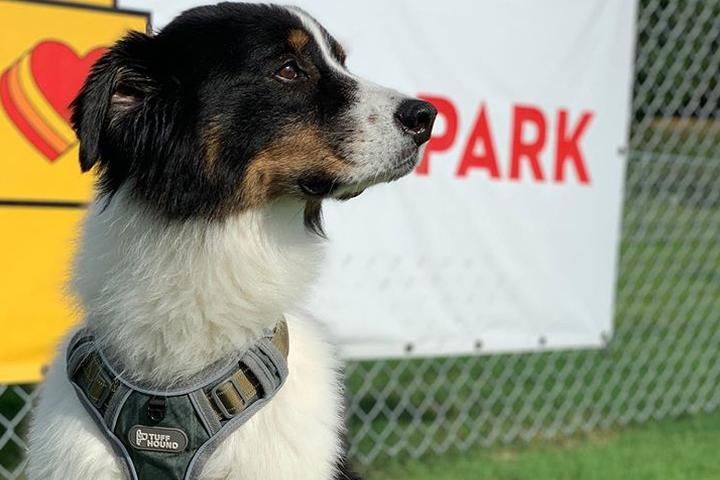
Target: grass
[[675, 449]]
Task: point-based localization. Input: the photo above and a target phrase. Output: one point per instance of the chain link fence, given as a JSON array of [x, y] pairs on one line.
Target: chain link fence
[[664, 359]]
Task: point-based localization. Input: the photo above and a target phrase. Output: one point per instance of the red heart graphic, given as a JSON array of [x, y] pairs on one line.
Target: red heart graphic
[[31, 95], [60, 73]]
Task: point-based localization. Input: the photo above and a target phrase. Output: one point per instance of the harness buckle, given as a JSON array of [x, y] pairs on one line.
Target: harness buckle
[[156, 407], [227, 399], [236, 393]]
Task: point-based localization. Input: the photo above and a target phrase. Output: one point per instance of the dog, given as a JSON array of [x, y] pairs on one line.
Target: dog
[[215, 142]]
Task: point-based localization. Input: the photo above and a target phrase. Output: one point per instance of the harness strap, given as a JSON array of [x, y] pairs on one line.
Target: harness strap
[[221, 404], [257, 373]]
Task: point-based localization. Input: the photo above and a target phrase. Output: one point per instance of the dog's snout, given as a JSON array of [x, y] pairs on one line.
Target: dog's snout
[[416, 117]]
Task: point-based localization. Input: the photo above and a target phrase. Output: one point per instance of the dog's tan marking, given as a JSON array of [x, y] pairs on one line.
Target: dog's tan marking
[[211, 136], [339, 52], [276, 170], [298, 39]]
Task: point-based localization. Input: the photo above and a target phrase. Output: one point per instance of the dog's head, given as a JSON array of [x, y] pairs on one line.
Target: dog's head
[[235, 105]]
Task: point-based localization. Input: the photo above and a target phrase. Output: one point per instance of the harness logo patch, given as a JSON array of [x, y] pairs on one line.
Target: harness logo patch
[[157, 439]]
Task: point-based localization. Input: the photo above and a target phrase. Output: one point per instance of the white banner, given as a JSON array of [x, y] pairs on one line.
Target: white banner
[[506, 237]]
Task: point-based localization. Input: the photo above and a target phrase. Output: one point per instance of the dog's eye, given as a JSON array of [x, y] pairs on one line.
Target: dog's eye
[[289, 72]]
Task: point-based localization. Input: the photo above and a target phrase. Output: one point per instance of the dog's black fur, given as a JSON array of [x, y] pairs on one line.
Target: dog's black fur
[[345, 472]]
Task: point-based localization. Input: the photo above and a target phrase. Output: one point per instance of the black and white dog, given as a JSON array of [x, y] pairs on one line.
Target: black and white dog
[[216, 141]]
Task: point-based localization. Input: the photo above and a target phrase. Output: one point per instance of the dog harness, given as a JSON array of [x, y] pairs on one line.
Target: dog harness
[[169, 434]]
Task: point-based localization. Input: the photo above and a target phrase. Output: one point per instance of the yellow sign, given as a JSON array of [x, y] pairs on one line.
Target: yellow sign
[[46, 52]]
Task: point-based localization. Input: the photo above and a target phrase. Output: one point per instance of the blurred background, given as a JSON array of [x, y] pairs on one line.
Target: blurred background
[[539, 300]]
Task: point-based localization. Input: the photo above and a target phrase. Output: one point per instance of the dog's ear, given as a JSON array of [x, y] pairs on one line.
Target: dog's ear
[[120, 82]]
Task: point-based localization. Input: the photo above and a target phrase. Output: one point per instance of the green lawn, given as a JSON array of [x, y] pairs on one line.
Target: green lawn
[[674, 449]]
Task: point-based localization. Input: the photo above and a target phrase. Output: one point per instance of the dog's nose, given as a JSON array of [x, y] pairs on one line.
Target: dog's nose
[[416, 117]]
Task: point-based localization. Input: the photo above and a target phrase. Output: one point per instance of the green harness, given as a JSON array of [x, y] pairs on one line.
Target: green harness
[[169, 434]]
